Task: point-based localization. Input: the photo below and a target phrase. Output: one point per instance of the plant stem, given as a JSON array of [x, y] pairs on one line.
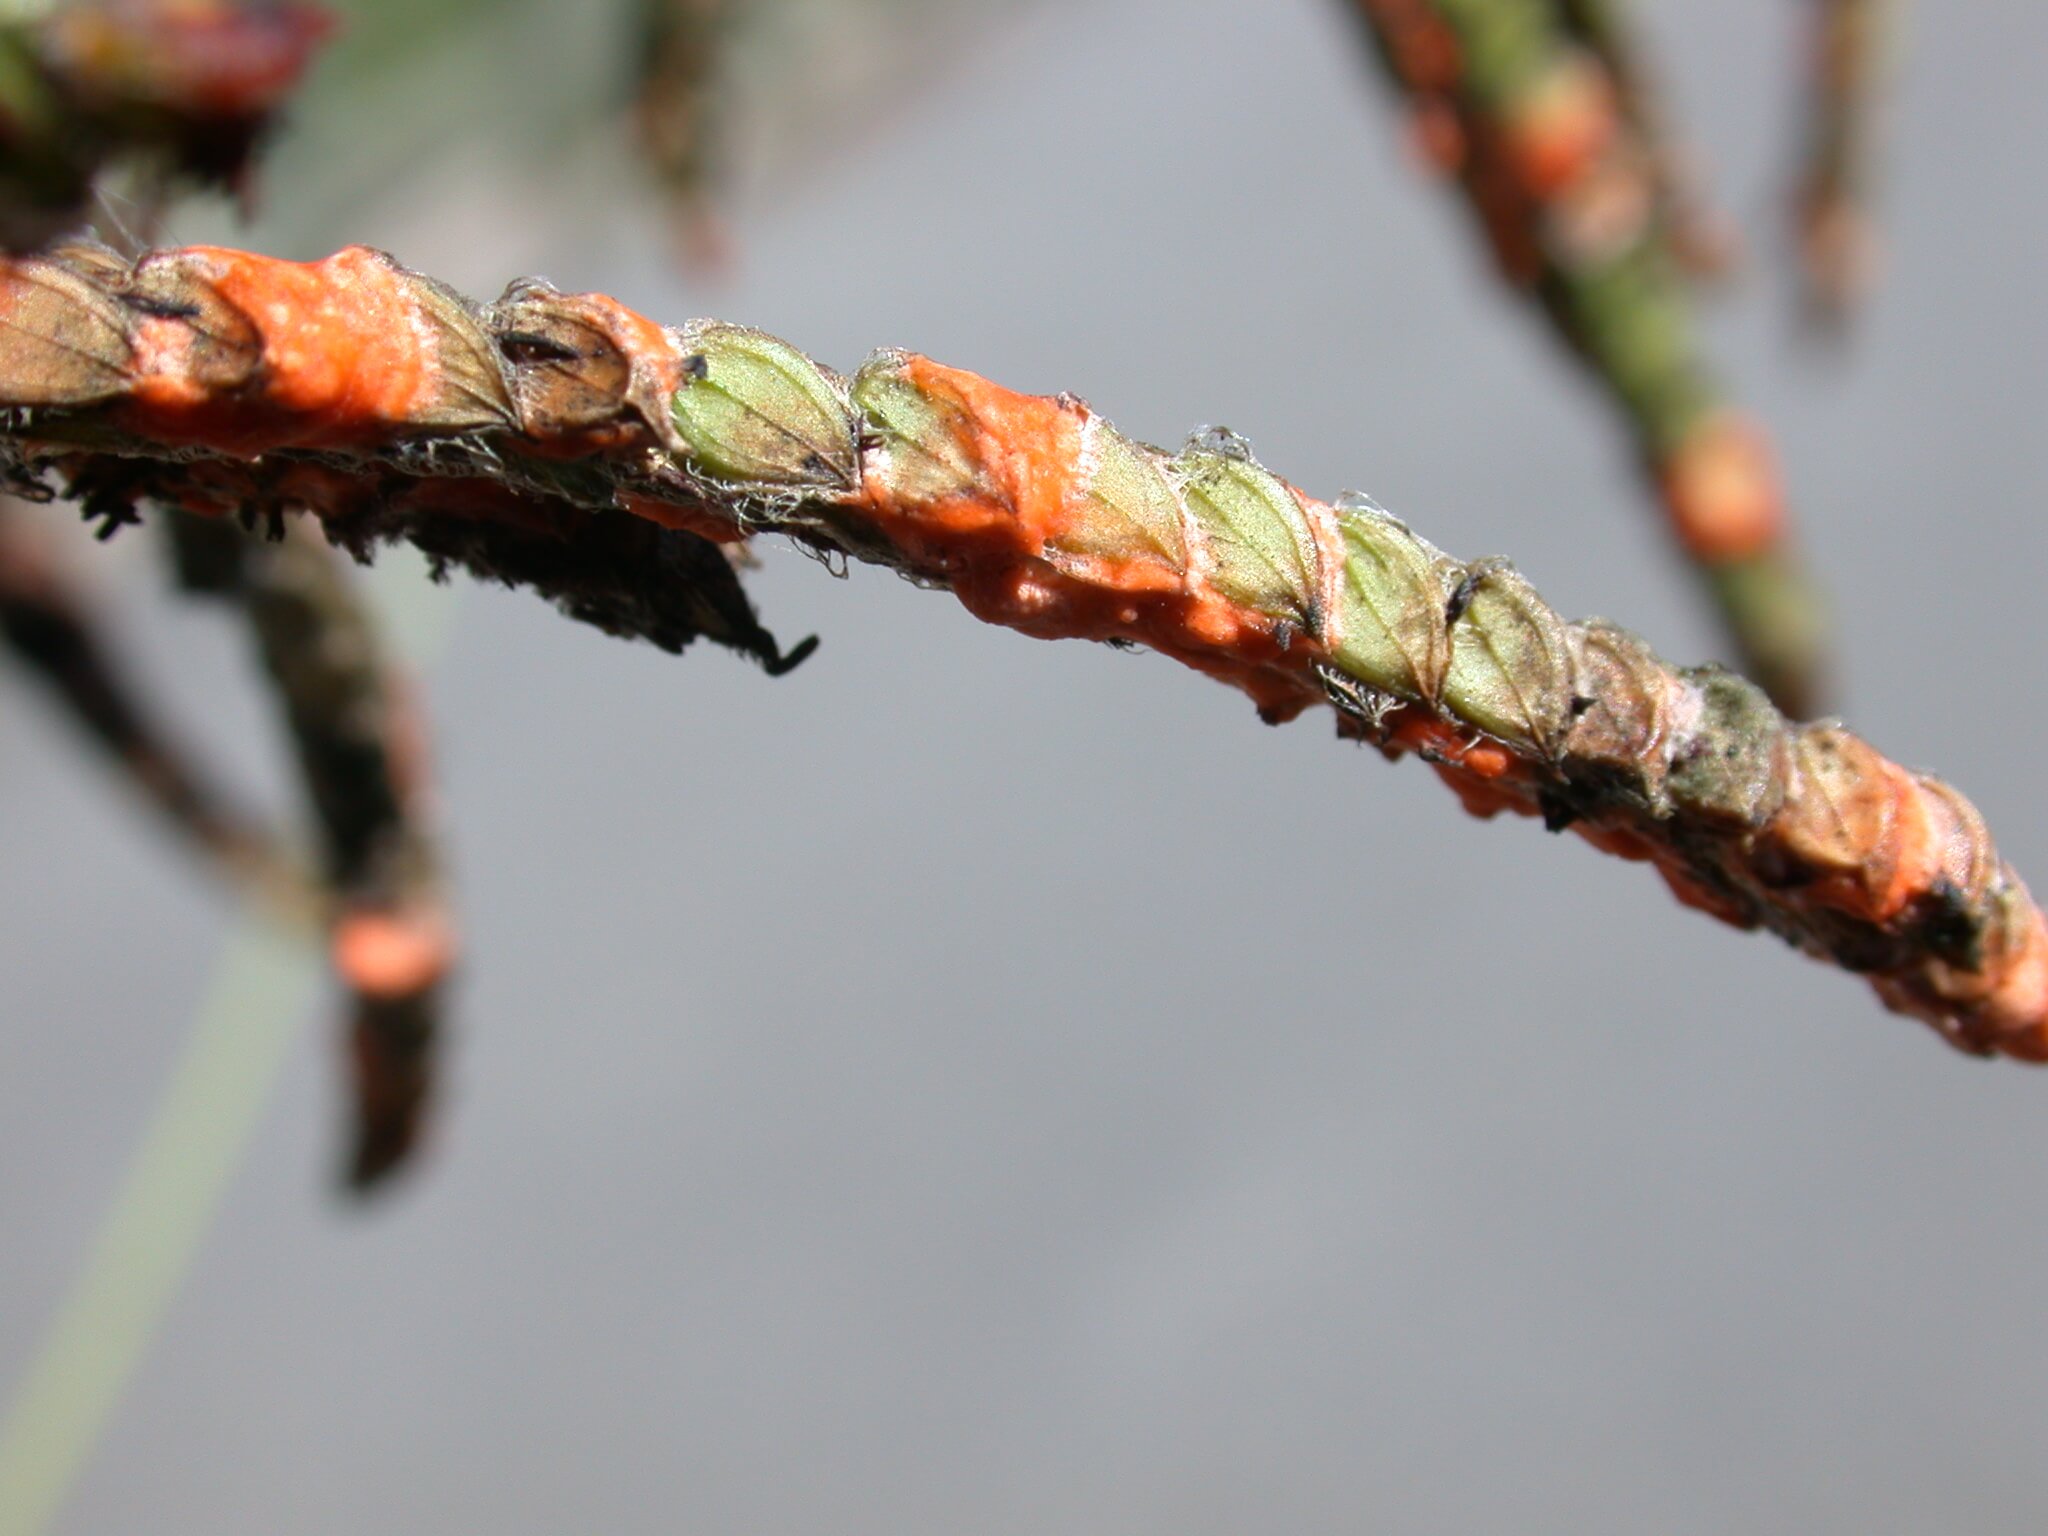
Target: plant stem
[[1537, 130], [565, 442]]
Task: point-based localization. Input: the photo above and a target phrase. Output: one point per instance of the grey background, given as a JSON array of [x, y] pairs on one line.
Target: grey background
[[975, 1085]]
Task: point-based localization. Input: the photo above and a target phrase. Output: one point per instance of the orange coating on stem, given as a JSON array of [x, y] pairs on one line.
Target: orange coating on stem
[[1721, 485], [1027, 445], [1915, 864], [634, 413], [657, 369], [1563, 129], [706, 525], [348, 356], [994, 547], [391, 953]]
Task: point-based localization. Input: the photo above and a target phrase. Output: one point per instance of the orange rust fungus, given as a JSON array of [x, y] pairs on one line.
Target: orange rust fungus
[[348, 355], [1028, 449], [383, 954], [647, 343], [1486, 760], [1027, 445], [1562, 129], [1723, 491], [1914, 859], [1478, 796]]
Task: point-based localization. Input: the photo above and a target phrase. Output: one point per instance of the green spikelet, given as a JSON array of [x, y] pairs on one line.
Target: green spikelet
[[754, 409], [921, 435], [1259, 536], [1390, 631], [1511, 671], [1133, 514]]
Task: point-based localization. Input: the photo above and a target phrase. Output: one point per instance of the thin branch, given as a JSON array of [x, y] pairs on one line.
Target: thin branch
[[1836, 241], [358, 740], [522, 438], [678, 114], [1526, 118], [351, 721], [1700, 236], [182, 90], [49, 628]]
